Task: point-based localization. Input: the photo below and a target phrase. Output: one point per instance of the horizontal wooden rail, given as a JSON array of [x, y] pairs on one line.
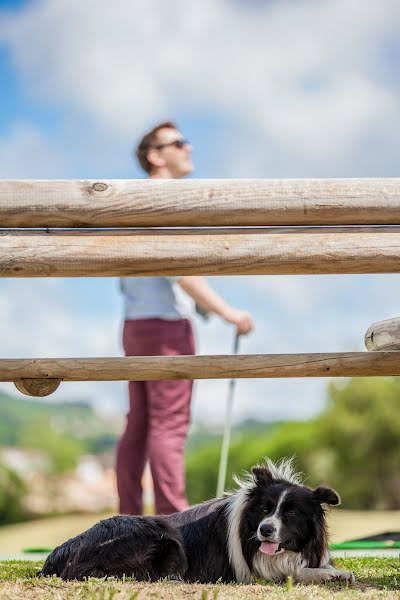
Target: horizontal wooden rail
[[170, 203], [384, 335], [144, 368], [271, 251]]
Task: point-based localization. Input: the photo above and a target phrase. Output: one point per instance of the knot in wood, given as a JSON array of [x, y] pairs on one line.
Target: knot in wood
[[100, 186]]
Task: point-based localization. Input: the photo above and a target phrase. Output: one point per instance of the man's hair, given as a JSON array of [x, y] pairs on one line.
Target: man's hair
[[149, 140]]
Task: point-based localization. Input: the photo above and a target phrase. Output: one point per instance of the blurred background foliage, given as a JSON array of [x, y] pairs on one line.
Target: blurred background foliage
[[63, 431], [12, 491], [56, 432], [353, 445]]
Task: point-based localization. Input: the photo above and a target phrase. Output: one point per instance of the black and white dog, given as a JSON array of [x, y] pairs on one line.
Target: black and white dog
[[272, 527]]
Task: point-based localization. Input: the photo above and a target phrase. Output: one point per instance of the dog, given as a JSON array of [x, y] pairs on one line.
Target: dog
[[148, 548], [271, 527]]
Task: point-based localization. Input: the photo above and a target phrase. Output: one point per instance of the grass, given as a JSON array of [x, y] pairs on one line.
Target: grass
[[377, 578]]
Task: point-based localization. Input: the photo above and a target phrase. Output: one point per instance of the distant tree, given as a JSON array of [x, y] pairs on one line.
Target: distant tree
[[63, 450], [12, 491], [248, 447], [361, 428], [63, 431]]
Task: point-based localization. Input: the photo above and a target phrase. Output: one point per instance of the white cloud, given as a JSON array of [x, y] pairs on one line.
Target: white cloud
[[302, 74], [41, 318], [26, 151], [38, 320]]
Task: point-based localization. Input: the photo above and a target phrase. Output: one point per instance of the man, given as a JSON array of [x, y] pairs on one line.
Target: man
[[157, 324]]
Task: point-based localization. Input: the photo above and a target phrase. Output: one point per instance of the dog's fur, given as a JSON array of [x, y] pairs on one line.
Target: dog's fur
[[272, 527], [148, 548]]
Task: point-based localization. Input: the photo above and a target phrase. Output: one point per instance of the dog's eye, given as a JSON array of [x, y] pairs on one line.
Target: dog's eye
[[290, 513]]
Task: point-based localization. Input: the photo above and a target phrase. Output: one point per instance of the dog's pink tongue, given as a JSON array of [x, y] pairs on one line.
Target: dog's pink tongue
[[269, 547]]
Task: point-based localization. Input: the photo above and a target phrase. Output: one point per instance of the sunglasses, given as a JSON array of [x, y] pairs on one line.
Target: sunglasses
[[176, 143]]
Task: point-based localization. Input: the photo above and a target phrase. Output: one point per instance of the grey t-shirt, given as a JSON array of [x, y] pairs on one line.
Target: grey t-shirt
[[154, 297]]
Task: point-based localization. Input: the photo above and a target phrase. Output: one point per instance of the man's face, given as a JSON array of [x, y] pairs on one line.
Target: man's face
[[177, 159]]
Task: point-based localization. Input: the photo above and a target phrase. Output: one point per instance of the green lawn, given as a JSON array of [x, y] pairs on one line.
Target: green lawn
[[376, 578]]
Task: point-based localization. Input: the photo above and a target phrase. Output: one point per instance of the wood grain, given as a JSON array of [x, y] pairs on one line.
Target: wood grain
[[384, 335], [144, 368], [235, 202], [273, 251], [37, 387]]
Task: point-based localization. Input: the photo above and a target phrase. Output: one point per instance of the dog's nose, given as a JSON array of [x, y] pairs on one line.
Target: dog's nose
[[267, 530]]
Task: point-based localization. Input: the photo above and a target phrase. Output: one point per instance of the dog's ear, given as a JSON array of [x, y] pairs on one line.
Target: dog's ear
[[325, 495], [262, 475]]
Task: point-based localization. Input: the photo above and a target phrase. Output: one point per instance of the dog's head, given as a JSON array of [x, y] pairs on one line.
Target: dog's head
[[282, 514]]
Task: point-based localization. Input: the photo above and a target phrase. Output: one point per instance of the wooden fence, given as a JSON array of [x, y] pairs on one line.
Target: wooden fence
[[210, 227]]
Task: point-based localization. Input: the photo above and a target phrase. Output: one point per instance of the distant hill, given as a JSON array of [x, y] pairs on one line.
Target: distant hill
[[59, 428], [30, 422], [201, 435]]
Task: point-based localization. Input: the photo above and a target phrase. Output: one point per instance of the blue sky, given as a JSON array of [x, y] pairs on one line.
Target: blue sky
[[271, 89]]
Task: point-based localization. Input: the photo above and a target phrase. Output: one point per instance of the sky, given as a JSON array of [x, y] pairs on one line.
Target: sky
[[262, 89]]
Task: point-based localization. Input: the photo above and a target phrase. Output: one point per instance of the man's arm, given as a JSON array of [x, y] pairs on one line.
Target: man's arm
[[202, 293]]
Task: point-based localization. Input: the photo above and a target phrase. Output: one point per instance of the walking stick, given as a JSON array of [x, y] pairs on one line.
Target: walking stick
[[227, 430]]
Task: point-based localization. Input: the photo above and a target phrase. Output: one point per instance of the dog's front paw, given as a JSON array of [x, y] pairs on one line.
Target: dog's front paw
[[323, 575], [340, 575]]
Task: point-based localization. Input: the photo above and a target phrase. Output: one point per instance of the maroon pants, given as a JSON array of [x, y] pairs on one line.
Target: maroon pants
[[158, 420]]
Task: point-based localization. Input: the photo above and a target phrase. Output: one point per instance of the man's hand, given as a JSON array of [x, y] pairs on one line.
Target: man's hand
[[198, 288], [242, 319]]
